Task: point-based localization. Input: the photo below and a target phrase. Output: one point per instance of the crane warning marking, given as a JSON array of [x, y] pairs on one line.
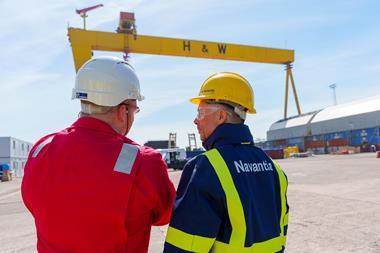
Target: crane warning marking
[[222, 48], [204, 48], [186, 45]]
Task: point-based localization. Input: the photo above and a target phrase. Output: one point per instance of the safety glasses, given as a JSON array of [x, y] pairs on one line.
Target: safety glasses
[[202, 112]]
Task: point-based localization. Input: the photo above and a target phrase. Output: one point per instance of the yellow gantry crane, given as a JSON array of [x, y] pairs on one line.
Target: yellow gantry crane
[[126, 40]]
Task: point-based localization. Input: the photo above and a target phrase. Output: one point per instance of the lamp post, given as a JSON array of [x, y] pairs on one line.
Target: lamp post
[[378, 138], [333, 86]]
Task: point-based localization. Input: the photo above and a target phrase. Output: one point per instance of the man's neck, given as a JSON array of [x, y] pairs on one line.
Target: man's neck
[[105, 118]]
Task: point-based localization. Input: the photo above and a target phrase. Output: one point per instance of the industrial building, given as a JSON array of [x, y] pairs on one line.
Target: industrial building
[[156, 144], [354, 124], [14, 152]]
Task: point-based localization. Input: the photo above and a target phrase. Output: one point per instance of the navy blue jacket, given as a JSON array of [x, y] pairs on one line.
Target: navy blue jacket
[[200, 206]]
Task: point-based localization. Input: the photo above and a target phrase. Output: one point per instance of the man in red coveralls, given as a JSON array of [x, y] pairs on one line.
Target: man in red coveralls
[[90, 188]]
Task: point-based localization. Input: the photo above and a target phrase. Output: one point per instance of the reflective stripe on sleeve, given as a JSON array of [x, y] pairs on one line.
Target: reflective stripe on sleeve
[[269, 246], [42, 145], [126, 158], [234, 205], [189, 242]]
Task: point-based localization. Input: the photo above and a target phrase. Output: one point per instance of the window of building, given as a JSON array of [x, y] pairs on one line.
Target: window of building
[[14, 144], [22, 146]]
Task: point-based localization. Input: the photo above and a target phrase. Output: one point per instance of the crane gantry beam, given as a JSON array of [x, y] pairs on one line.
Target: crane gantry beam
[[83, 42]]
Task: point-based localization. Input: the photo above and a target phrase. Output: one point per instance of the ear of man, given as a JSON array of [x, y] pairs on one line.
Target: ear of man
[[223, 117], [121, 111]]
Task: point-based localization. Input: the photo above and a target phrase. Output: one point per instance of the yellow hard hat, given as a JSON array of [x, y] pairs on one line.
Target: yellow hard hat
[[227, 86]]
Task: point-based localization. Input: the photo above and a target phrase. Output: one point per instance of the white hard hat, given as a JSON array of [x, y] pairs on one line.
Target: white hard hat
[[106, 81]]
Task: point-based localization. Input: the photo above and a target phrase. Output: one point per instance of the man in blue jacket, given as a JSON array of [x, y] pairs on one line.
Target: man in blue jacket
[[232, 198]]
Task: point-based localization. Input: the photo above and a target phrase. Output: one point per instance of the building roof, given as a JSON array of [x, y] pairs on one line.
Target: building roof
[[362, 106], [290, 128], [292, 122], [360, 114]]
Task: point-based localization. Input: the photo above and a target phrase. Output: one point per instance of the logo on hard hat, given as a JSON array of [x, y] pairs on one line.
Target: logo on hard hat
[[209, 91], [81, 95]]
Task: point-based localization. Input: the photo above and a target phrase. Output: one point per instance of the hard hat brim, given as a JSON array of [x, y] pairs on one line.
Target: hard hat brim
[[196, 100]]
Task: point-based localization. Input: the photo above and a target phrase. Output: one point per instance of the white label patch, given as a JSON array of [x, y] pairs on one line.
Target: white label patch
[[126, 158]]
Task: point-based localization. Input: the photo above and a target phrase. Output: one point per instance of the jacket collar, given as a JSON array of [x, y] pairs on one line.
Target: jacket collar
[[227, 134], [94, 124], [99, 125]]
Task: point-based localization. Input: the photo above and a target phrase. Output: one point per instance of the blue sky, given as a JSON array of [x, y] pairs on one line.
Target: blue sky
[[334, 42]]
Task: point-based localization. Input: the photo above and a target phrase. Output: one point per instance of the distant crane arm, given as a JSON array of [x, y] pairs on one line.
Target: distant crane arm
[[83, 11]]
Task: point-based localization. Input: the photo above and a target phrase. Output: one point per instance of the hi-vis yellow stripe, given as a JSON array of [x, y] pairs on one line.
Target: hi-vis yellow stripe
[[283, 186], [196, 243], [234, 205], [269, 246], [189, 242]]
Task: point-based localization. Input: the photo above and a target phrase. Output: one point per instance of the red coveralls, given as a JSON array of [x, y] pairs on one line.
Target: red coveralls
[[91, 189]]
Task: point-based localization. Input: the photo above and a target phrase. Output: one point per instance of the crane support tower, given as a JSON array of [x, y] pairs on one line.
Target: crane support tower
[[192, 141], [172, 142], [126, 40]]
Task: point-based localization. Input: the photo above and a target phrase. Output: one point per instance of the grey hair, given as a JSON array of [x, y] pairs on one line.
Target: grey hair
[[88, 108], [236, 113]]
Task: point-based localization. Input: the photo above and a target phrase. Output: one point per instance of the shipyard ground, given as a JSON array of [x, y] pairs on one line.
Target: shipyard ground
[[334, 201]]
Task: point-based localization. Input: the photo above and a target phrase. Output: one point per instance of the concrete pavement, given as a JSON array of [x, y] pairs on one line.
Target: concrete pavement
[[17, 225], [334, 207]]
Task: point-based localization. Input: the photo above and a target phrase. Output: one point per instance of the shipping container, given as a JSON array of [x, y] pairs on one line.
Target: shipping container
[[332, 149], [336, 135], [315, 144], [275, 145], [275, 153], [337, 143], [280, 142], [321, 150], [364, 136], [320, 137], [373, 135], [299, 142]]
